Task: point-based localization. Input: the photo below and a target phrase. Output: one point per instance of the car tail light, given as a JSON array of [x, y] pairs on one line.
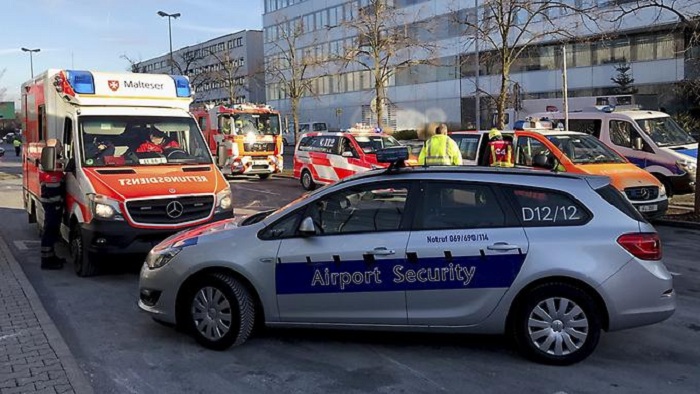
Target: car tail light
[[645, 246]]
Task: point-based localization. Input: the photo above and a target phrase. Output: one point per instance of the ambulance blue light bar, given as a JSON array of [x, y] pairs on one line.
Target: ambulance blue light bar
[[82, 82], [182, 86], [394, 154]]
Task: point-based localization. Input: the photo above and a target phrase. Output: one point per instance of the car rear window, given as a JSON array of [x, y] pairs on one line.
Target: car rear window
[[616, 199], [547, 208]]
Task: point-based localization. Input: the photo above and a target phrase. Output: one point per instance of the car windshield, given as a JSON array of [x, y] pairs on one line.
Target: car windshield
[[244, 124], [371, 143], [141, 140], [664, 131], [585, 149], [468, 145]]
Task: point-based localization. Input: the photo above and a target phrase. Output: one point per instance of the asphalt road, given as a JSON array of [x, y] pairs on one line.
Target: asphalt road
[[123, 351]]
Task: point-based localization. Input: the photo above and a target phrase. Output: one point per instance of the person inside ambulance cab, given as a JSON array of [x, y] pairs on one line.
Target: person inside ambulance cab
[[157, 142]]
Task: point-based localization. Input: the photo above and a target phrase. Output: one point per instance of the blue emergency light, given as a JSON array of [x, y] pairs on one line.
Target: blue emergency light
[[82, 82], [182, 86]]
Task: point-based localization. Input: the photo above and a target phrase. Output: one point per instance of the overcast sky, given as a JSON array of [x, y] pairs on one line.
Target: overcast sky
[[93, 34]]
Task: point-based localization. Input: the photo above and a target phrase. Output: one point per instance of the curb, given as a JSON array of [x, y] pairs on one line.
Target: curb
[[677, 223], [75, 375]]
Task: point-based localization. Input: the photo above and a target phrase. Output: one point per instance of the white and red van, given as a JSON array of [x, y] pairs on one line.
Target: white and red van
[[120, 197], [325, 158]]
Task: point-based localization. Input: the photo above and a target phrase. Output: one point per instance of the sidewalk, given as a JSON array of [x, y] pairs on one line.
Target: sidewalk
[[33, 356]]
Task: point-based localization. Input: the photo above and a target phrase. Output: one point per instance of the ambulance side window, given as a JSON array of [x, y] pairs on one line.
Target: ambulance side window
[[68, 138], [42, 122], [588, 126]]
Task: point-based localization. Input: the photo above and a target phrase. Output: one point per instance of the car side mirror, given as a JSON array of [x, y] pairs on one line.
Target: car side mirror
[[638, 143], [48, 159], [347, 154], [307, 227], [221, 155]]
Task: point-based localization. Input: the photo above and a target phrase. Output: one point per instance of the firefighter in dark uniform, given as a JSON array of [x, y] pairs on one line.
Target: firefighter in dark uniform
[[52, 194]]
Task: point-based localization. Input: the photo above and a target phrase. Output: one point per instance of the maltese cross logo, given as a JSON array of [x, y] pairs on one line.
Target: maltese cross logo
[[114, 85]]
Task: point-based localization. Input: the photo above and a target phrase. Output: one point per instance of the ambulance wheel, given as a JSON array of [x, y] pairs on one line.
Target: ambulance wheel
[[556, 324], [263, 176], [219, 311], [307, 181], [80, 258]]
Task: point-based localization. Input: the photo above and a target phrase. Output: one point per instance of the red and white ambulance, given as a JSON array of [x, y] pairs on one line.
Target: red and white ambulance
[[120, 198], [325, 158]]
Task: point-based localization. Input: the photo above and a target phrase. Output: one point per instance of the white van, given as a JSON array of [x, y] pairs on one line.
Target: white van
[[650, 139], [306, 127]]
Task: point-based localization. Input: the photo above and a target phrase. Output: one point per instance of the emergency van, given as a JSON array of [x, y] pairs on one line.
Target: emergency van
[[325, 158], [650, 139], [575, 153], [120, 197], [244, 138]]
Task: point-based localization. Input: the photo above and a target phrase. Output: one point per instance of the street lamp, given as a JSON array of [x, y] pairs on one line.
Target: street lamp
[[31, 60], [170, 35]]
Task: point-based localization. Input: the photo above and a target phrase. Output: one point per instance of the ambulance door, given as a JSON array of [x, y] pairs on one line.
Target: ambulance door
[[343, 272], [71, 150], [464, 252]]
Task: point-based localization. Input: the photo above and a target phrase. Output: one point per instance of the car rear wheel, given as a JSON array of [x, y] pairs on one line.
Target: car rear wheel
[[556, 324], [307, 181], [80, 258], [220, 312]]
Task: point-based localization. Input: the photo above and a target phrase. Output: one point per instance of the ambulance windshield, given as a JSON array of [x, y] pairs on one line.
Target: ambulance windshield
[[141, 140], [371, 143]]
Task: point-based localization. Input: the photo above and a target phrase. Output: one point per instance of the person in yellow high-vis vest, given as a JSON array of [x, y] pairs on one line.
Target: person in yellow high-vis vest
[[17, 143], [440, 150]]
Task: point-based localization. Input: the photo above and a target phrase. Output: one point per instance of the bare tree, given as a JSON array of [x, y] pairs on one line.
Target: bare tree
[[134, 65], [387, 41], [507, 28], [190, 63], [288, 67], [228, 72]]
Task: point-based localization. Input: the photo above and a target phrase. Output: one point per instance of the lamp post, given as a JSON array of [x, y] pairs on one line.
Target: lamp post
[[170, 35], [31, 59]]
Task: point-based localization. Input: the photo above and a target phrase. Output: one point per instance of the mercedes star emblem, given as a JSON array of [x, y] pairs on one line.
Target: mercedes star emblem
[[174, 209]]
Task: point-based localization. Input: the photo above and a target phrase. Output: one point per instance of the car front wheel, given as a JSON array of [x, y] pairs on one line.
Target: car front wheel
[[556, 324], [307, 181], [220, 312]]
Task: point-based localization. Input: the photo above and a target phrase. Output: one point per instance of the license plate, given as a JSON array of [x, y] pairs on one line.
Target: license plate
[[260, 162], [648, 208]]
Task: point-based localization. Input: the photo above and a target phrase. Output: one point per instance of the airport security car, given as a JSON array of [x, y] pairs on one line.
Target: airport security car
[[549, 258]]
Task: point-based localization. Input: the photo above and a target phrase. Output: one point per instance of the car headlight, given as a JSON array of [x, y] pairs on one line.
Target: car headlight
[[223, 200], [105, 208], [687, 166], [662, 191], [158, 259]]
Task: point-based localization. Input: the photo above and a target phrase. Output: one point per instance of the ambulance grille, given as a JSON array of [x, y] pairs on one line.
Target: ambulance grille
[[259, 147], [642, 193], [170, 210]]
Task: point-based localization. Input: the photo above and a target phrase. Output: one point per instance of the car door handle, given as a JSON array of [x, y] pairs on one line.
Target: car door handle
[[267, 260], [382, 251], [502, 246]]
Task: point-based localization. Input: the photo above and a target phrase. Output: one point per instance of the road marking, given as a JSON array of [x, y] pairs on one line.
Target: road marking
[[26, 245], [257, 191]]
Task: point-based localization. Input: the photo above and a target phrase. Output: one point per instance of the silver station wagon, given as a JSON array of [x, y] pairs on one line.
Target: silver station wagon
[[549, 259]]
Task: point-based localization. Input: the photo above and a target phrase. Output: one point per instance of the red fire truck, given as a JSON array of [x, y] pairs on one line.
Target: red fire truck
[[245, 138], [120, 198]]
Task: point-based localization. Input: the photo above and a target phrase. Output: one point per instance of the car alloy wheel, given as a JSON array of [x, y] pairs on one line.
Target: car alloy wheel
[[219, 311], [558, 326], [556, 323], [307, 182], [211, 311]]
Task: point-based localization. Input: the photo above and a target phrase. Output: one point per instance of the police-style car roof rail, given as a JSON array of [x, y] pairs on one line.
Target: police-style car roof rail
[[396, 156]]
